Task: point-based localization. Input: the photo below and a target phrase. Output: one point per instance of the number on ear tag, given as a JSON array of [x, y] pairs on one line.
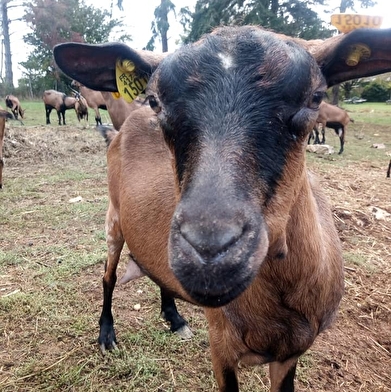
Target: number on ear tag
[[129, 85]]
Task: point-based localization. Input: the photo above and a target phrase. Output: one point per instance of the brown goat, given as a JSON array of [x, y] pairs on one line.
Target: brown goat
[[13, 103], [3, 117], [57, 100], [94, 100], [210, 191], [333, 117], [81, 107]]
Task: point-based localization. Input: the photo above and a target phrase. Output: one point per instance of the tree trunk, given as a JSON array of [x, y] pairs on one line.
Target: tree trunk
[[9, 77], [335, 94], [164, 24]]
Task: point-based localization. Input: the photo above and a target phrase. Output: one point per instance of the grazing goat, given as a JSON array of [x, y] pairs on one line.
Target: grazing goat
[[81, 107], [13, 103], [210, 191], [333, 117], [94, 100], [60, 102], [3, 116]]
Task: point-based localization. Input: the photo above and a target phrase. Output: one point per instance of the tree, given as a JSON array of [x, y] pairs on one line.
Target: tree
[[349, 86], [376, 91], [6, 45], [160, 25], [294, 18], [57, 21]]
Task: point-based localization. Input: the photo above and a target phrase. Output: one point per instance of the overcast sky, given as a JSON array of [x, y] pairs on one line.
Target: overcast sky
[[138, 20]]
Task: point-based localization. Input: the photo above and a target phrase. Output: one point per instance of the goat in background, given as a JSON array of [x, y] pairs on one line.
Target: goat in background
[[60, 102], [3, 117], [333, 117], [13, 103], [81, 107], [94, 100]]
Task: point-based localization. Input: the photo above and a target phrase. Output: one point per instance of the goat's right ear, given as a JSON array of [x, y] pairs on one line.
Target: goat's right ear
[[94, 65], [360, 53]]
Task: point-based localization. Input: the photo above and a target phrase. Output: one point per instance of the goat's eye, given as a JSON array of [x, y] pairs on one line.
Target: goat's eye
[[317, 98], [154, 104]]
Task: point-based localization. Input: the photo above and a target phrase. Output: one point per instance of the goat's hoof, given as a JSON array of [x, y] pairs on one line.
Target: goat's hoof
[[103, 349], [184, 333], [113, 346]]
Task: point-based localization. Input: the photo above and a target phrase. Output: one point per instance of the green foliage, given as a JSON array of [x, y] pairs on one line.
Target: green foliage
[[348, 87], [376, 91], [53, 22], [293, 18]]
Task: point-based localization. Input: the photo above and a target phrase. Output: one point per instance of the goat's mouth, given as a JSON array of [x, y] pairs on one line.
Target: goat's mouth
[[213, 276], [207, 292]]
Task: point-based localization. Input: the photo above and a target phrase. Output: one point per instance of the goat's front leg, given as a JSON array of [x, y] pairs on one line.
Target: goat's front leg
[[170, 314], [341, 135], [323, 135], [282, 375], [1, 170], [115, 243], [225, 375], [224, 358]]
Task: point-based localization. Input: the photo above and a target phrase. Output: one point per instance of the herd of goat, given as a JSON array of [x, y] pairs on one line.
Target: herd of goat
[[209, 189]]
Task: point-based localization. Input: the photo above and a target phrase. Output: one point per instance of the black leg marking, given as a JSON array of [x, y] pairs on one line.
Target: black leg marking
[[171, 315], [287, 384]]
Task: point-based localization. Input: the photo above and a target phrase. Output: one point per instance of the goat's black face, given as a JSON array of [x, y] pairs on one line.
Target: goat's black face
[[233, 108]]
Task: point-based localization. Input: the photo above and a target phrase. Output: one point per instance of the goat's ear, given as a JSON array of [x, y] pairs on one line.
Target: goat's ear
[[94, 65], [360, 53]]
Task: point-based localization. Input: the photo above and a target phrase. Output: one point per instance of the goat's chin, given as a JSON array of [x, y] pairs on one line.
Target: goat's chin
[[216, 282], [211, 300]]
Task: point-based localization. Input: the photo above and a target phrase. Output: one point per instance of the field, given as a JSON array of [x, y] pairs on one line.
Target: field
[[52, 251]]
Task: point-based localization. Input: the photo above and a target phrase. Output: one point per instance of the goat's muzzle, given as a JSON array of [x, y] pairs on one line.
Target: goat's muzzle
[[216, 254]]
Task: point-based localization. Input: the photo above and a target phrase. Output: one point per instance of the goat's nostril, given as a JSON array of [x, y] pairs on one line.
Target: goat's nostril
[[209, 241]]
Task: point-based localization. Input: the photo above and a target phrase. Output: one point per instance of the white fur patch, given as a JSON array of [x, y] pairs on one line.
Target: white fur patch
[[226, 60]]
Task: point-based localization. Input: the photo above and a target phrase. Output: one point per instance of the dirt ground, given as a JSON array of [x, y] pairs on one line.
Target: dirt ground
[[355, 354]]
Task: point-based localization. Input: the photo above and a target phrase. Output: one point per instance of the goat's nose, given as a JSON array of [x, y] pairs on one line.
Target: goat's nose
[[211, 238]]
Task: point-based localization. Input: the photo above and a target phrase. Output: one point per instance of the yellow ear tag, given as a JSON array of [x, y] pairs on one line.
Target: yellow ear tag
[[116, 95], [129, 85]]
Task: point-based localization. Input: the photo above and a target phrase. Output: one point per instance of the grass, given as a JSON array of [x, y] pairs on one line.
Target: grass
[[52, 253]]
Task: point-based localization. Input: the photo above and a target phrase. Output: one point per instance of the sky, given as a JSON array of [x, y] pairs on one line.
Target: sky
[[138, 17]]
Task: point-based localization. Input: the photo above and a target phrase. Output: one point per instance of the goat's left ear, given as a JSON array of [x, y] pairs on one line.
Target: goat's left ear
[[94, 65], [360, 53]]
